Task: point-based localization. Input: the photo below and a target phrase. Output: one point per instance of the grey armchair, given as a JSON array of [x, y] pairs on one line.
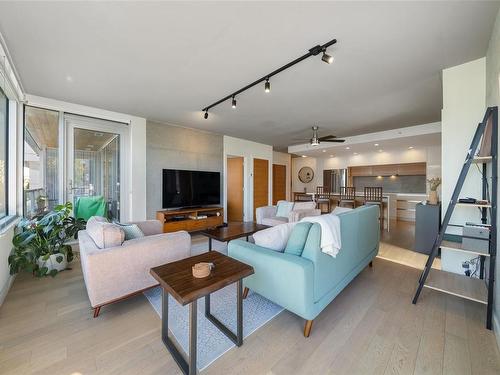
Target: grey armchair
[[267, 215]]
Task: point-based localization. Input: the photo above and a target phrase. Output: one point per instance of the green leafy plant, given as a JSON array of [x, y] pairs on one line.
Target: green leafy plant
[[39, 238]]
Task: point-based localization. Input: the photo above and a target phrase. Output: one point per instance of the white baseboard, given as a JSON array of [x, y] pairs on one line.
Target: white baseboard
[[6, 288]]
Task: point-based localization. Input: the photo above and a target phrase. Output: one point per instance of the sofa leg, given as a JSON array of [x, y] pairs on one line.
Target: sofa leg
[[307, 327], [245, 292], [96, 311], [371, 264]]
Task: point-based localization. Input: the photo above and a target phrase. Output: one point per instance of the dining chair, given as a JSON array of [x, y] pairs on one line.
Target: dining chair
[[323, 198], [374, 196], [348, 196]]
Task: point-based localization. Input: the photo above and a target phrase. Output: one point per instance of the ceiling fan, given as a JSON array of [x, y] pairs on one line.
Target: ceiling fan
[[315, 140]]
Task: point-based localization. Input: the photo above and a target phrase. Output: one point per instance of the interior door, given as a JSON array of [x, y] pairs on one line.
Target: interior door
[[235, 189], [260, 184], [279, 183], [95, 165]]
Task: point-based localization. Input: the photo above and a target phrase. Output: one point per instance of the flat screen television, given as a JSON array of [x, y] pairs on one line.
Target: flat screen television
[[183, 188]]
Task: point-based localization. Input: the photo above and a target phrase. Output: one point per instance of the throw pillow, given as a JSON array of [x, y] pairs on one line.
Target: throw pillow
[[298, 238], [341, 210], [274, 238], [104, 234], [131, 231], [284, 208]]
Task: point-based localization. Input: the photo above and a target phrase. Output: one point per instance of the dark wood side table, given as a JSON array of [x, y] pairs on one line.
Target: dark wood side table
[[232, 232], [176, 278]]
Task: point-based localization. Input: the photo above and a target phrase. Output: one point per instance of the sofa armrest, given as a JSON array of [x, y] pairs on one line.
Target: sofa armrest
[[115, 272], [282, 278], [298, 215], [149, 227], [264, 212]]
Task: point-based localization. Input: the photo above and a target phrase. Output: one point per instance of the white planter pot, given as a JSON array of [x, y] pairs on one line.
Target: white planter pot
[[52, 263]]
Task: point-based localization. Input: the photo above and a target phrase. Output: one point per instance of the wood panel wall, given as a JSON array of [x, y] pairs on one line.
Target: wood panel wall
[[260, 183]]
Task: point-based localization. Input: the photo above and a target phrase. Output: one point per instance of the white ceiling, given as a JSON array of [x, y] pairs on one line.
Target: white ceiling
[[417, 142], [165, 61]]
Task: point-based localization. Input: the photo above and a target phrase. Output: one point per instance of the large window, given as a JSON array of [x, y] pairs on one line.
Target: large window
[[4, 118], [41, 160]]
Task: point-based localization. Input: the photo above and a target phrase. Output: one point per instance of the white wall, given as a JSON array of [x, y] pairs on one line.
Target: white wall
[[429, 154], [464, 88], [283, 158], [136, 171], [248, 150]]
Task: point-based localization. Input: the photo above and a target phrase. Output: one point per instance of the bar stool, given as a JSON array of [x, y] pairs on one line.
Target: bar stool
[[323, 198], [374, 196], [347, 195]]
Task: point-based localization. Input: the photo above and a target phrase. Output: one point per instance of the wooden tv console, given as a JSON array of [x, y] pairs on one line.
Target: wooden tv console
[[184, 219]]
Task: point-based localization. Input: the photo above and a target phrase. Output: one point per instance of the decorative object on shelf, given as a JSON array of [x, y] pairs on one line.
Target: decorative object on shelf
[[433, 185], [314, 51], [40, 244], [203, 269], [306, 174]]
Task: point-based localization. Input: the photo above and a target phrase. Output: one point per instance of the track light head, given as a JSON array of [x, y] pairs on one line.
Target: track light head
[[327, 58], [267, 86], [233, 103], [206, 114]]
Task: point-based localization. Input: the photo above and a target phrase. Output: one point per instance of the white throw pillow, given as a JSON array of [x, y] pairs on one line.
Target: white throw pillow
[[274, 238], [104, 234], [340, 210]]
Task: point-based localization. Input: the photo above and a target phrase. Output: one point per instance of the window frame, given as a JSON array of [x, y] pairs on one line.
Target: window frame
[[7, 151]]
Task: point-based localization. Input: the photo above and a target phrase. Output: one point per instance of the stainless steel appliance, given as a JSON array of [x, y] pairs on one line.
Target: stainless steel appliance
[[338, 178]]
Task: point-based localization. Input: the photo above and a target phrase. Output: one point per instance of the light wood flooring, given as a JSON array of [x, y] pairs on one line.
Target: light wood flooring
[[46, 327]]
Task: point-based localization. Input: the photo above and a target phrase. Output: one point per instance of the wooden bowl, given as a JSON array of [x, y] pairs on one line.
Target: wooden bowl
[[201, 270]]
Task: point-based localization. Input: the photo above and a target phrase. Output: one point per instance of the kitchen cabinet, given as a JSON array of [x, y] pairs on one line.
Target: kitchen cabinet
[[407, 169], [412, 169]]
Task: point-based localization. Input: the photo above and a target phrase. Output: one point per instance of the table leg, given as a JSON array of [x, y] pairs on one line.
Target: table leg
[[239, 313], [193, 315], [187, 369], [247, 238], [238, 337], [209, 244]]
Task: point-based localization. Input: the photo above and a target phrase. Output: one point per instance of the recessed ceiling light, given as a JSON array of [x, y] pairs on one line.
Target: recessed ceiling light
[[410, 148], [376, 144], [347, 148], [304, 156], [324, 150], [69, 79]]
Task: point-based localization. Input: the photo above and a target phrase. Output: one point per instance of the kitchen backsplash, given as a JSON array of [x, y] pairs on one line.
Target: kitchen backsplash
[[396, 184]]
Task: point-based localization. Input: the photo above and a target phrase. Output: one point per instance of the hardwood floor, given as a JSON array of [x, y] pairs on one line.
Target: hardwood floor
[[46, 327]]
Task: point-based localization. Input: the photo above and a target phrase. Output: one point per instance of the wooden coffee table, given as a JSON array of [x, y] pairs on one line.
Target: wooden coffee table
[[232, 232], [176, 278]]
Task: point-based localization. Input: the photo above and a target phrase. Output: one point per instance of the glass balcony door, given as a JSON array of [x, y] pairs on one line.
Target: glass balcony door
[[95, 166]]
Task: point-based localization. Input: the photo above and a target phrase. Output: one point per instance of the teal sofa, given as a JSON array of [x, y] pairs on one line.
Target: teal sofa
[[306, 284]]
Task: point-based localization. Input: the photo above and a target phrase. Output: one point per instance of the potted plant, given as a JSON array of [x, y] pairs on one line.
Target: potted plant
[[433, 185], [40, 244]]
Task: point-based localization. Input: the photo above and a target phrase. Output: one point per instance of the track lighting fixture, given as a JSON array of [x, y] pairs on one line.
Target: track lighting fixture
[[314, 51], [327, 58], [267, 86]]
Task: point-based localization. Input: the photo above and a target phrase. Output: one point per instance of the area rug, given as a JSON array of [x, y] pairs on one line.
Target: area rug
[[212, 344]]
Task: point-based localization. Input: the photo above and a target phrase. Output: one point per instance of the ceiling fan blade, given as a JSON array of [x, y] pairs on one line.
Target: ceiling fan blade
[[327, 137], [334, 140]]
